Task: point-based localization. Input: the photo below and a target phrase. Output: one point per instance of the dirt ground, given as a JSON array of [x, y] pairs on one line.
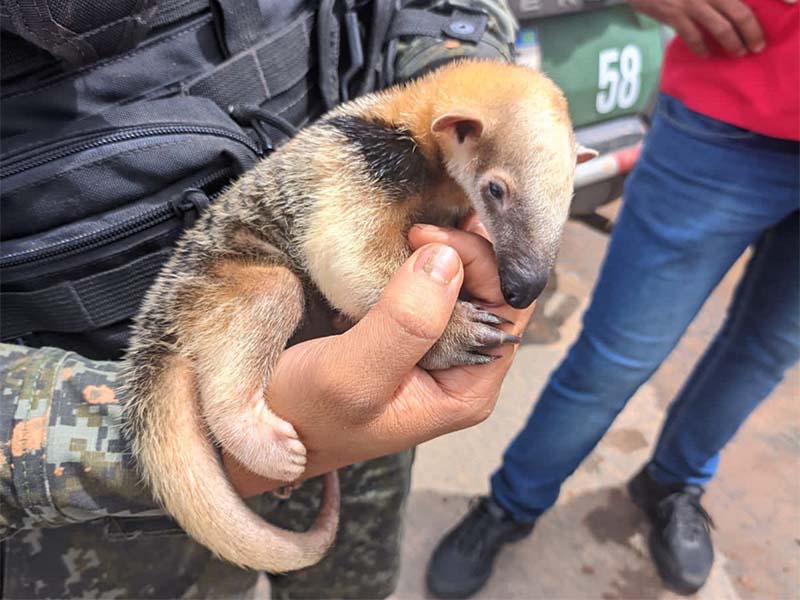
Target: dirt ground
[[593, 543]]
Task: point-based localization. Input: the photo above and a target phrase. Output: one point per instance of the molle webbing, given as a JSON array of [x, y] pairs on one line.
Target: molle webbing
[[83, 305], [263, 71]]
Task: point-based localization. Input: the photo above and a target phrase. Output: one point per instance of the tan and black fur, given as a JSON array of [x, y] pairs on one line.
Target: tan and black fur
[[330, 212]]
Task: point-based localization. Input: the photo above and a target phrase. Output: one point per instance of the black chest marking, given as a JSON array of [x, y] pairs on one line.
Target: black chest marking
[[391, 154]]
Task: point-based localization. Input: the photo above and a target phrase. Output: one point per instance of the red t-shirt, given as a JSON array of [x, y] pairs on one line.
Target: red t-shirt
[[759, 92]]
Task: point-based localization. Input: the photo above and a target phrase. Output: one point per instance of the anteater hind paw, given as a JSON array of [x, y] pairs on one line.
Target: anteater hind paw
[[284, 456], [269, 446]]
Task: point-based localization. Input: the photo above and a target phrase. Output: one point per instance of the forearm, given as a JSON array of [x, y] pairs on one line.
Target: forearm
[[63, 459]]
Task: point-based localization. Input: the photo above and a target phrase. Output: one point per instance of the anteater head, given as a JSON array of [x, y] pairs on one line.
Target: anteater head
[[509, 144]]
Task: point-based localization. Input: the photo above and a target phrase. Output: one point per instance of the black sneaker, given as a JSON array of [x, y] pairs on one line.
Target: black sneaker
[[680, 541], [463, 560]]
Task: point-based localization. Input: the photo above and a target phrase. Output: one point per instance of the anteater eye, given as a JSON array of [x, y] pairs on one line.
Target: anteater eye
[[496, 190]]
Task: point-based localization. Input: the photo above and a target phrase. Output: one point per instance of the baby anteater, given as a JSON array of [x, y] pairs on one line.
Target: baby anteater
[[330, 212]]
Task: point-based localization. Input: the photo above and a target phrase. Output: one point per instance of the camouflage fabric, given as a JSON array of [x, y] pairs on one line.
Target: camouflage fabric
[[76, 522], [418, 54]]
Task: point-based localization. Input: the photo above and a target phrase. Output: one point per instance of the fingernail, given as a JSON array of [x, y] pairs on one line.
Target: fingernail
[[741, 52], [439, 262], [760, 47]]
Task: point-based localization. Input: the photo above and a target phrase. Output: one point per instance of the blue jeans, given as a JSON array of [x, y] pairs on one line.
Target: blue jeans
[[701, 193]]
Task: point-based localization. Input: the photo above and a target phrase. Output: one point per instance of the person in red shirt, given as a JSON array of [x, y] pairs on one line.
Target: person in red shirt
[[719, 172], [747, 74]]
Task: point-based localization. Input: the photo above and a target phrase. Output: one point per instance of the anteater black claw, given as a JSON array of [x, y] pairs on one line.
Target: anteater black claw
[[489, 337], [487, 318], [481, 315], [477, 358]]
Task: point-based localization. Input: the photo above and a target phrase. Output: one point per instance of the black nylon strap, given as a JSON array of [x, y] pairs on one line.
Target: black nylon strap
[[328, 42], [382, 15], [64, 34], [261, 72], [82, 305], [461, 25], [170, 11], [242, 23]]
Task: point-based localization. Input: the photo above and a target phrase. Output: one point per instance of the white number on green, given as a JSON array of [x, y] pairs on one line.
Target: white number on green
[[619, 78]]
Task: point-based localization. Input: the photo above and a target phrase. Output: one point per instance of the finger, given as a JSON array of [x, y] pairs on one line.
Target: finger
[[481, 278], [691, 36], [473, 224], [370, 359], [430, 404], [720, 27], [745, 22]]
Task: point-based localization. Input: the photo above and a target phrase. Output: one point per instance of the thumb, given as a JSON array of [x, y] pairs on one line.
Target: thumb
[[409, 317]]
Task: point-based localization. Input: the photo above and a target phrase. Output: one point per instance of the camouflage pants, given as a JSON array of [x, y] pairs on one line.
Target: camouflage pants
[[138, 558]]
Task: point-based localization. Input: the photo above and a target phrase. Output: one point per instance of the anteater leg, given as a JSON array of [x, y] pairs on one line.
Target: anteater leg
[[240, 323]]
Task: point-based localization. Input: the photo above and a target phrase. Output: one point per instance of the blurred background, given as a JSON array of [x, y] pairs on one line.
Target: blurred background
[[593, 543]]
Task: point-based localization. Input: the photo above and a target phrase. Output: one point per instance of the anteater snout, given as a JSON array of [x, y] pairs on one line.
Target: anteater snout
[[521, 285]]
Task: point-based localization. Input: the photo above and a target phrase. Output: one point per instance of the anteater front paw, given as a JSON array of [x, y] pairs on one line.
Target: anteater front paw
[[472, 331]]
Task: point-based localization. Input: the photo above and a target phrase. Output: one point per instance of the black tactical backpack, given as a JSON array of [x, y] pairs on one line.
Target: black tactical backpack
[[120, 122]]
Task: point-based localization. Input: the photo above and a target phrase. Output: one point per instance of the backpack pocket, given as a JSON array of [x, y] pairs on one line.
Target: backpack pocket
[[90, 216]]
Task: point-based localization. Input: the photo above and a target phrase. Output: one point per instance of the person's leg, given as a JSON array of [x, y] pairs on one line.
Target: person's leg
[[700, 194], [758, 343], [364, 561], [687, 216]]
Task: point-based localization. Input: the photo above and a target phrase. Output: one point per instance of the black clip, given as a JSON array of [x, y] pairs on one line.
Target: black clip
[[189, 205]]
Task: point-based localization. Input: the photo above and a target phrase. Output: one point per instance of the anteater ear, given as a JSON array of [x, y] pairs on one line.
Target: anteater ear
[[462, 125], [585, 154]]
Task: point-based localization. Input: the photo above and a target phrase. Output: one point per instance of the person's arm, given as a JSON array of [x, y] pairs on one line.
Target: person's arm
[[730, 22], [62, 457]]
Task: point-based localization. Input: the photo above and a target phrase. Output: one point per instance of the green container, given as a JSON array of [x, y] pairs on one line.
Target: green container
[[606, 61]]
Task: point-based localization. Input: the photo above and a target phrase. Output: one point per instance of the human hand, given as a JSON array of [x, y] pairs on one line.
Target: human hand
[[360, 395], [730, 22]]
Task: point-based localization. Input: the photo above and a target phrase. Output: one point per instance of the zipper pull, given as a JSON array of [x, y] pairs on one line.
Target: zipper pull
[[189, 205]]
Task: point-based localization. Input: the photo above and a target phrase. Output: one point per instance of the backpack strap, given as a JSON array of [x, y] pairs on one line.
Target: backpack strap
[[382, 13], [459, 25], [82, 305], [329, 46], [239, 22], [80, 33]]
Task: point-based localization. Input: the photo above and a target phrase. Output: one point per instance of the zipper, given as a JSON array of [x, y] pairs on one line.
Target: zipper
[[186, 206], [66, 148]]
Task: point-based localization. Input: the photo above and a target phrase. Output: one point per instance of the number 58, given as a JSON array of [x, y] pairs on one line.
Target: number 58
[[619, 78]]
